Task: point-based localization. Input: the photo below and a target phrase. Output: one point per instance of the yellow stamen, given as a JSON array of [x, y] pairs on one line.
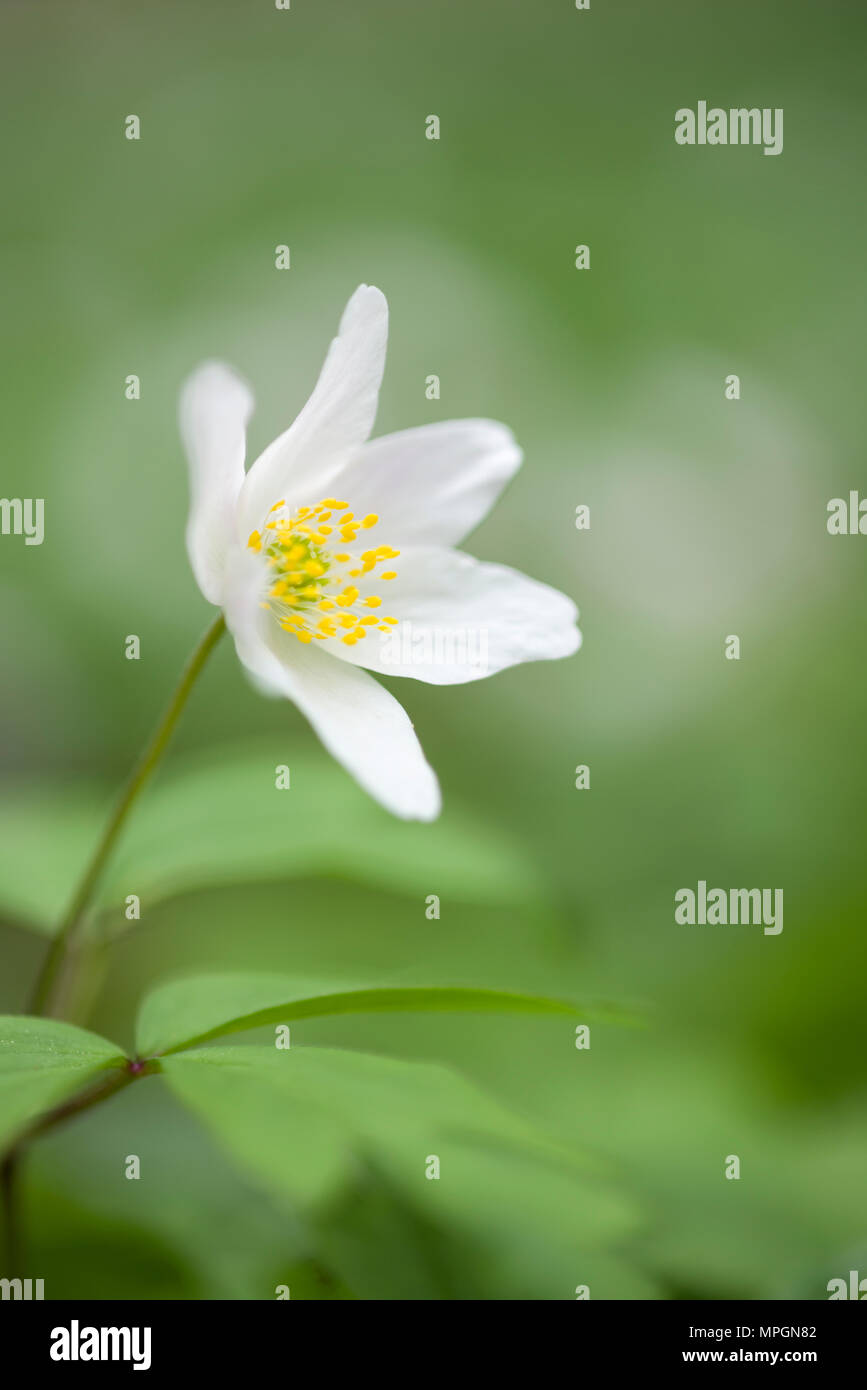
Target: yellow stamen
[[300, 563]]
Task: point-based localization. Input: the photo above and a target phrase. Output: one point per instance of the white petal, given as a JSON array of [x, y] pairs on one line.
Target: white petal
[[214, 409], [359, 722], [335, 422], [460, 619], [247, 620], [431, 485]]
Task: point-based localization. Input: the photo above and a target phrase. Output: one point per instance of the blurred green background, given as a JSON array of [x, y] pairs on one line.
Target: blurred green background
[[306, 127]]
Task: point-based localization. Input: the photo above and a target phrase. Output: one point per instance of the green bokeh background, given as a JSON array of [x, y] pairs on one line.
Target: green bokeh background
[[306, 127]]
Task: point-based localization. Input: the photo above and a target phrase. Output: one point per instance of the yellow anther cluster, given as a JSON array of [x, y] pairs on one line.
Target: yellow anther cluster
[[308, 587]]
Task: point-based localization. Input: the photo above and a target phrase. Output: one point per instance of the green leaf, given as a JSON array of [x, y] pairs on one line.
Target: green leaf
[[219, 819], [125, 1260], [306, 1121], [283, 1136], [187, 1012], [193, 1199], [44, 1062], [474, 1240]]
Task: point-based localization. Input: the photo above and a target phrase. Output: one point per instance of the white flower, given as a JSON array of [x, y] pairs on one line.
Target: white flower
[[330, 550]]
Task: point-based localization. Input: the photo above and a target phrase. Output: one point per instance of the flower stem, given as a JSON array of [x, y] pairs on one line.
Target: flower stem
[[52, 981]]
